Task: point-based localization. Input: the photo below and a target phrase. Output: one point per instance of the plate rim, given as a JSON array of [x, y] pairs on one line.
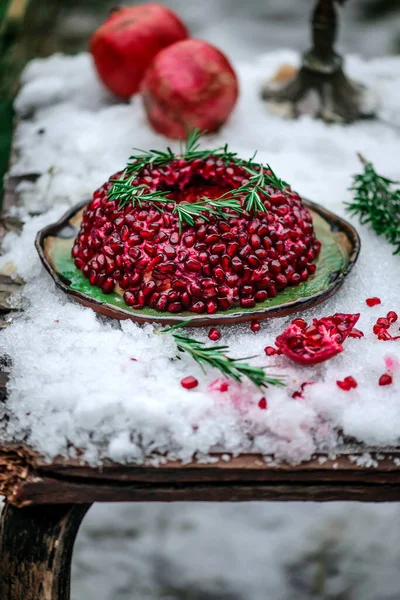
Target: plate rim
[[205, 319]]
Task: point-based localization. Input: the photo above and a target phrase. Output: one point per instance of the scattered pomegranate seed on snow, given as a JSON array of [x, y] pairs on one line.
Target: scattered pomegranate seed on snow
[[386, 379], [347, 384], [270, 350], [372, 301], [255, 325], [189, 382], [263, 404], [214, 334]]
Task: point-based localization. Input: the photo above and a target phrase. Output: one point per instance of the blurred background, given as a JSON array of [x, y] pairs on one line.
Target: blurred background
[[215, 552], [240, 28]]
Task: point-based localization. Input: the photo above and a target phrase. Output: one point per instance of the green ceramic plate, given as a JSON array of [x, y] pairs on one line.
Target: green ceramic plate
[[340, 249]]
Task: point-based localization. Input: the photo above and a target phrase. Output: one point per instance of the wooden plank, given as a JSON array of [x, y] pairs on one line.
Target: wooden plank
[[46, 490]]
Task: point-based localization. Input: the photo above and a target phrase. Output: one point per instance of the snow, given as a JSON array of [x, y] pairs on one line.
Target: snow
[[73, 383]]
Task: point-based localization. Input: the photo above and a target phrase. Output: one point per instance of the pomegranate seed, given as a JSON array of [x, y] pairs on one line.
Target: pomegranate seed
[[198, 307], [255, 325], [174, 307], [247, 302], [189, 382], [386, 379], [108, 286], [347, 384], [263, 404], [270, 351], [372, 301], [193, 265], [392, 316], [214, 334]]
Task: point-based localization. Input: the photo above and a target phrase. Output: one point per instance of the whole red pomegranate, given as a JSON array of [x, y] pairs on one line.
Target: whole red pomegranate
[[190, 84], [124, 46]]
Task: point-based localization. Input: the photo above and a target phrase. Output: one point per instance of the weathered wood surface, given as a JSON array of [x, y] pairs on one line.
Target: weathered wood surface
[[36, 547], [26, 479]]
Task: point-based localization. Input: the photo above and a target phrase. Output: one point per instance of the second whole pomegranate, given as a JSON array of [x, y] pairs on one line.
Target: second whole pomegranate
[[189, 85]]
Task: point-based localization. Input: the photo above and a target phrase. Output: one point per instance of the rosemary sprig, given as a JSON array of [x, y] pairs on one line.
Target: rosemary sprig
[[216, 357], [124, 191], [188, 212], [377, 203], [249, 195]]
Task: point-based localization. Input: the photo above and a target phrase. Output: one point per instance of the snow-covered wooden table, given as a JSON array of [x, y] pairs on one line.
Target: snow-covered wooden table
[[71, 136]]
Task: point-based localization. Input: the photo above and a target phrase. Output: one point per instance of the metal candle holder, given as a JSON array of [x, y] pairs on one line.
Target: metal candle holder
[[321, 86]]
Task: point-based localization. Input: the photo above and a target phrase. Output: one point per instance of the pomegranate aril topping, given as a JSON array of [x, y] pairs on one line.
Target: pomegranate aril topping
[[261, 296], [189, 382], [247, 302], [174, 307], [211, 307], [198, 307], [244, 259], [255, 325], [193, 265], [108, 286]]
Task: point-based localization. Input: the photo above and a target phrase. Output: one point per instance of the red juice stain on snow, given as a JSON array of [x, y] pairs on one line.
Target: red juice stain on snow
[[347, 384], [372, 301], [189, 382], [134, 359], [219, 385], [299, 393], [391, 363]]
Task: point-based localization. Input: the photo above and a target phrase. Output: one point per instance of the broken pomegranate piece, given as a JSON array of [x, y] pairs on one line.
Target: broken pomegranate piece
[[143, 251], [315, 343]]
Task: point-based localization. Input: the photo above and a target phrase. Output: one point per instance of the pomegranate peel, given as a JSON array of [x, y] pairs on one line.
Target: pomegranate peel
[[318, 342]]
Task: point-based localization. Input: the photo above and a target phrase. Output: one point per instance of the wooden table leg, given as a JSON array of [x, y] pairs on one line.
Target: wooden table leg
[[36, 545]]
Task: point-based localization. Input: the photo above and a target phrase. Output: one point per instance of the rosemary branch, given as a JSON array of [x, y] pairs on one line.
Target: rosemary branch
[[216, 357], [377, 203], [187, 212], [248, 197]]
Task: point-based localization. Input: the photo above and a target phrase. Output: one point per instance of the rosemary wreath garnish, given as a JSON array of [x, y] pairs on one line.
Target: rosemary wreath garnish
[[187, 212], [216, 357], [377, 202], [251, 193]]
